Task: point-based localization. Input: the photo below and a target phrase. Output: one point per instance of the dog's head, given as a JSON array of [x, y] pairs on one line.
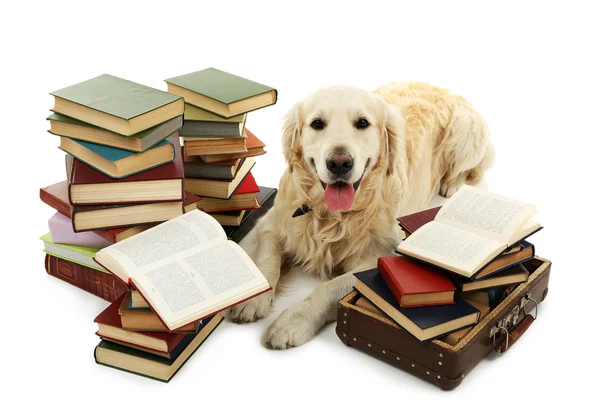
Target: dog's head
[[342, 138]]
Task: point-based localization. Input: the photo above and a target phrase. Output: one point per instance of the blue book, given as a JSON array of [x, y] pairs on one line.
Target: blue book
[[424, 323], [118, 163]]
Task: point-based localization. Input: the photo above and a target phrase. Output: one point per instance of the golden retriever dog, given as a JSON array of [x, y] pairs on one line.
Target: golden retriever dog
[[356, 161]]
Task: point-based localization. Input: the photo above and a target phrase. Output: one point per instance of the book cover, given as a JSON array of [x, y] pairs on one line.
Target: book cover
[[57, 197], [110, 317], [411, 222], [194, 167], [98, 283], [191, 113], [248, 185], [61, 232], [407, 279], [116, 96], [225, 189], [82, 173], [507, 276], [150, 365], [79, 254], [82, 177], [220, 85], [113, 154], [254, 145], [266, 198], [118, 163], [61, 125], [421, 318]]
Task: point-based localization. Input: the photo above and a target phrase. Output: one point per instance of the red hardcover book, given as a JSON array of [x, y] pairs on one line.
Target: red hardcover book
[[411, 222], [414, 284], [88, 186], [110, 328], [254, 145], [248, 185], [101, 284]]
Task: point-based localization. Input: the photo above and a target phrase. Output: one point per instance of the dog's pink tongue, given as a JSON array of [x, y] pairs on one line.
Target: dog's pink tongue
[[339, 196]]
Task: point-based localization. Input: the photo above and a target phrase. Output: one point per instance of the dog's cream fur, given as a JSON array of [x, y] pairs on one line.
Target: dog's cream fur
[[421, 139]]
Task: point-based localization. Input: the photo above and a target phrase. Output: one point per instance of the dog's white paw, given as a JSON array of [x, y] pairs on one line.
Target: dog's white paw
[[253, 309], [294, 327], [447, 189]]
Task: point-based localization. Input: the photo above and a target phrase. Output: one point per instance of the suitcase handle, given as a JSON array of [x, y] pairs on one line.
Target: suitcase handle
[[511, 328]]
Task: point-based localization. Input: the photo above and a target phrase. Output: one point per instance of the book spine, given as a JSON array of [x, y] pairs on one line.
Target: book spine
[[92, 281]]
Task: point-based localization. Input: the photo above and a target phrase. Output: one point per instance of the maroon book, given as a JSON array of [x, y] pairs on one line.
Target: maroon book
[[158, 341], [82, 177], [411, 222], [414, 284], [101, 284], [56, 196]]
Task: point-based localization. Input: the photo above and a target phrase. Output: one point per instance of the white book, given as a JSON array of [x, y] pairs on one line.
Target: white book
[[471, 229], [185, 268]]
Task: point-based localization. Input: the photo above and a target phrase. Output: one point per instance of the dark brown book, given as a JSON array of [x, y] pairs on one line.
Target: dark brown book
[[101, 284], [88, 186], [411, 222]]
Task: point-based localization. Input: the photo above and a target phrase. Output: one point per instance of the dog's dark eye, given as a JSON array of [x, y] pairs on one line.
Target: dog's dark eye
[[362, 123], [317, 125]]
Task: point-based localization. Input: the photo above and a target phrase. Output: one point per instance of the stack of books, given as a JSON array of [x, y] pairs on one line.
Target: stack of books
[[125, 178], [457, 263], [124, 166], [181, 274], [218, 149], [124, 174]]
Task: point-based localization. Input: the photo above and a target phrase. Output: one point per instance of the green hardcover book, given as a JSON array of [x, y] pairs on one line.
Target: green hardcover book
[[77, 254], [222, 93], [150, 365], [210, 126], [117, 104], [61, 125], [192, 113]]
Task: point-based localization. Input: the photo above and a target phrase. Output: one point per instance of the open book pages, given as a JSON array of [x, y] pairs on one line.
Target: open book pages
[[489, 215], [185, 268], [470, 230]]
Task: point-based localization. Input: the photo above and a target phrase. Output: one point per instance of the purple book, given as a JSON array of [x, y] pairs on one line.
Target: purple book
[[61, 231]]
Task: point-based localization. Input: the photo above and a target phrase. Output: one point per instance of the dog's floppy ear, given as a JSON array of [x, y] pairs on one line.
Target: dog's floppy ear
[[291, 135], [394, 139]]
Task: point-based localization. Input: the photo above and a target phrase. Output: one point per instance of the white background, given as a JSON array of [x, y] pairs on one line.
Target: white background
[[530, 69]]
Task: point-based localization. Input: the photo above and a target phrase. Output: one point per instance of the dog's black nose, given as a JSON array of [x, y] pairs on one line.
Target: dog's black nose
[[339, 163]]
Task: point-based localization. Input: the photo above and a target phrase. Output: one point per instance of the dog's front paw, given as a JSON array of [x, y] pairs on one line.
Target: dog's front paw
[[293, 327], [447, 189], [253, 309]]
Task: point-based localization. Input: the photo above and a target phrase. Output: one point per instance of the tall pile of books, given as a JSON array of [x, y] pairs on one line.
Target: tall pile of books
[[218, 149], [457, 263], [125, 180]]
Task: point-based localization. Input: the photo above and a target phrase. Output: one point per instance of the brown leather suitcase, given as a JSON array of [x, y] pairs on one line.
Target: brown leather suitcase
[[437, 362]]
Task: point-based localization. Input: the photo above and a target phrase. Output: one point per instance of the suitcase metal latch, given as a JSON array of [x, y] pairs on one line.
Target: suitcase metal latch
[[510, 321]]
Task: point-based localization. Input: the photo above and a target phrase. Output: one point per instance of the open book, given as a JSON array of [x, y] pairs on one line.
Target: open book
[[185, 268], [470, 230]]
